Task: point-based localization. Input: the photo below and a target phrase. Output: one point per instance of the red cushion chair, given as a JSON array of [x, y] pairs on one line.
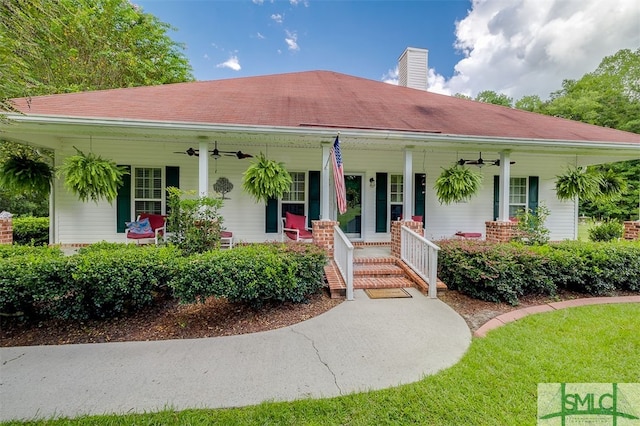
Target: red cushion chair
[[158, 224], [294, 226]]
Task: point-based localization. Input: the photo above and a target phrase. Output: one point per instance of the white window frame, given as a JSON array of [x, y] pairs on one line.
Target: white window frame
[[513, 206], [399, 193], [134, 198], [303, 192]]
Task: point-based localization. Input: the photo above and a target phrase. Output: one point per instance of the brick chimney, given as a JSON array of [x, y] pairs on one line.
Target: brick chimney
[[412, 68]]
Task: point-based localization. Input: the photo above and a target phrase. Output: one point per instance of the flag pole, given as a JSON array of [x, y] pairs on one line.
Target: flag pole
[[328, 159]]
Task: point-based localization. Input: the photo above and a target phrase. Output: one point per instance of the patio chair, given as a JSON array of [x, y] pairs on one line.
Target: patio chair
[[147, 226], [294, 226]]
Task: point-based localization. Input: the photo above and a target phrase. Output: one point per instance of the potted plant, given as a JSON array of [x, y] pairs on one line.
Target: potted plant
[[22, 172], [457, 183], [89, 176], [265, 179], [577, 182]]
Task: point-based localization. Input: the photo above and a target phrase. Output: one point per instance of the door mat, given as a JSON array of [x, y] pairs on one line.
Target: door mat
[[386, 293]]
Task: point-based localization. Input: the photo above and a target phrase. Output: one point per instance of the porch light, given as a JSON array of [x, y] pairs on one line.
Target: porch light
[[372, 182]]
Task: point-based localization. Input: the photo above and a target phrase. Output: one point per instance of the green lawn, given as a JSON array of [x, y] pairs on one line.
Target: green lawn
[[494, 384]]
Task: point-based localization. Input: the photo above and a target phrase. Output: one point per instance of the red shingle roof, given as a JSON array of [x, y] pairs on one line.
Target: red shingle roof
[[320, 99]]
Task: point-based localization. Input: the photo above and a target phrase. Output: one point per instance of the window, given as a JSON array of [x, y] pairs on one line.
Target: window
[[517, 195], [148, 194], [293, 201], [396, 195]]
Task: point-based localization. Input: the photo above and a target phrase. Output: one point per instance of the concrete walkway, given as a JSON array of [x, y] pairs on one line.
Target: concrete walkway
[[357, 346]]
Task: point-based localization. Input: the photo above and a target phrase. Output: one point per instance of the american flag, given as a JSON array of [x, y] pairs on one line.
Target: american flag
[[338, 177]]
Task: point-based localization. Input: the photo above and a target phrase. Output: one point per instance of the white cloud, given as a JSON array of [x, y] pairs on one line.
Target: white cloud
[[258, 1], [260, 36], [277, 17], [525, 47], [297, 2], [391, 76], [292, 41], [232, 63], [205, 56]]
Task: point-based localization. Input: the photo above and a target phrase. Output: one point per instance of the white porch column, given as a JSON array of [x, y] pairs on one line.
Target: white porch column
[[324, 182], [203, 169], [505, 177], [407, 188]]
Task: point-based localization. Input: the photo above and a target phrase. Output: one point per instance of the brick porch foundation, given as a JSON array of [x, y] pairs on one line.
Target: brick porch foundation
[[323, 234], [396, 227], [6, 228], [500, 232], [631, 230]]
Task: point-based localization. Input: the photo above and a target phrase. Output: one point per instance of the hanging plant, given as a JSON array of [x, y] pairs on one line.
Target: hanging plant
[[457, 184], [89, 176], [22, 173], [612, 185], [576, 182], [265, 179]]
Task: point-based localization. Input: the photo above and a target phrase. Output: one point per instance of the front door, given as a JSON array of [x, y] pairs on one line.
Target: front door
[[351, 220]]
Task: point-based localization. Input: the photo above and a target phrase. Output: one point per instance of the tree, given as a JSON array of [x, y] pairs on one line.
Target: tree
[[531, 103], [75, 45], [491, 97]]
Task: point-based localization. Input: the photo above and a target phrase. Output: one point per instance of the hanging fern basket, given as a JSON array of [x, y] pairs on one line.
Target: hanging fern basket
[[91, 177], [265, 179], [576, 182], [457, 183], [22, 173]]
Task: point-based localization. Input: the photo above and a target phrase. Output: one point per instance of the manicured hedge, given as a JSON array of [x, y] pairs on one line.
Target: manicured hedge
[[31, 230], [505, 272], [107, 279], [252, 274]]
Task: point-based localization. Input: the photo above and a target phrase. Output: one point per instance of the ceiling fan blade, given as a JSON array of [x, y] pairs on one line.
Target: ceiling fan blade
[[190, 152], [241, 155]]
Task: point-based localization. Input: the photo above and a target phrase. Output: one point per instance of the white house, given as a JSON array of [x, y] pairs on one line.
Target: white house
[[394, 139]]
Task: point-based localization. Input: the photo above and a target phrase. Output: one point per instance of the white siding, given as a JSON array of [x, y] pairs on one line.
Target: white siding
[[77, 222], [413, 69]]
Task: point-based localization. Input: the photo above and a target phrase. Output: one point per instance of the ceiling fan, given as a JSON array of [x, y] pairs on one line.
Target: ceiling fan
[[481, 162], [216, 153]]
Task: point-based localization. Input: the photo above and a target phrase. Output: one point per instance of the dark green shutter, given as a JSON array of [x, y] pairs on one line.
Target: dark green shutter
[[496, 197], [533, 193], [419, 194], [123, 202], [172, 176], [271, 216], [314, 197], [381, 202]]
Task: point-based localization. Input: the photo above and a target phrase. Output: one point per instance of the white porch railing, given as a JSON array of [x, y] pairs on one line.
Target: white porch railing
[[422, 256], [343, 256]]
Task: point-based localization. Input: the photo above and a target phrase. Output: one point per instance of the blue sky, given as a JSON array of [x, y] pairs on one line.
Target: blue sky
[[515, 47]]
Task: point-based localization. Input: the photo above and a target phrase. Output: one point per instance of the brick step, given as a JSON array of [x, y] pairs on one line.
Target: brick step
[[391, 282], [373, 260], [376, 270]]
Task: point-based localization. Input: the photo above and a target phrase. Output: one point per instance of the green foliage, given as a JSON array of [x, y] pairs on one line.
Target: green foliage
[[75, 45], [531, 103], [252, 274], [265, 179], [606, 231], [18, 200], [23, 173], [576, 182], [31, 230], [457, 183], [624, 206], [104, 281], [91, 177], [491, 97], [505, 272], [531, 229], [194, 224]]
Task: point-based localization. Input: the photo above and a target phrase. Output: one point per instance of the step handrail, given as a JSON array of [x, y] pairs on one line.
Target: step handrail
[[343, 256], [421, 255]]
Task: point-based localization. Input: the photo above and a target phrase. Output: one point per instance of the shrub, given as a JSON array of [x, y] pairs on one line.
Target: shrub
[[110, 282], [504, 272], [606, 231], [252, 274], [531, 229], [31, 230]]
